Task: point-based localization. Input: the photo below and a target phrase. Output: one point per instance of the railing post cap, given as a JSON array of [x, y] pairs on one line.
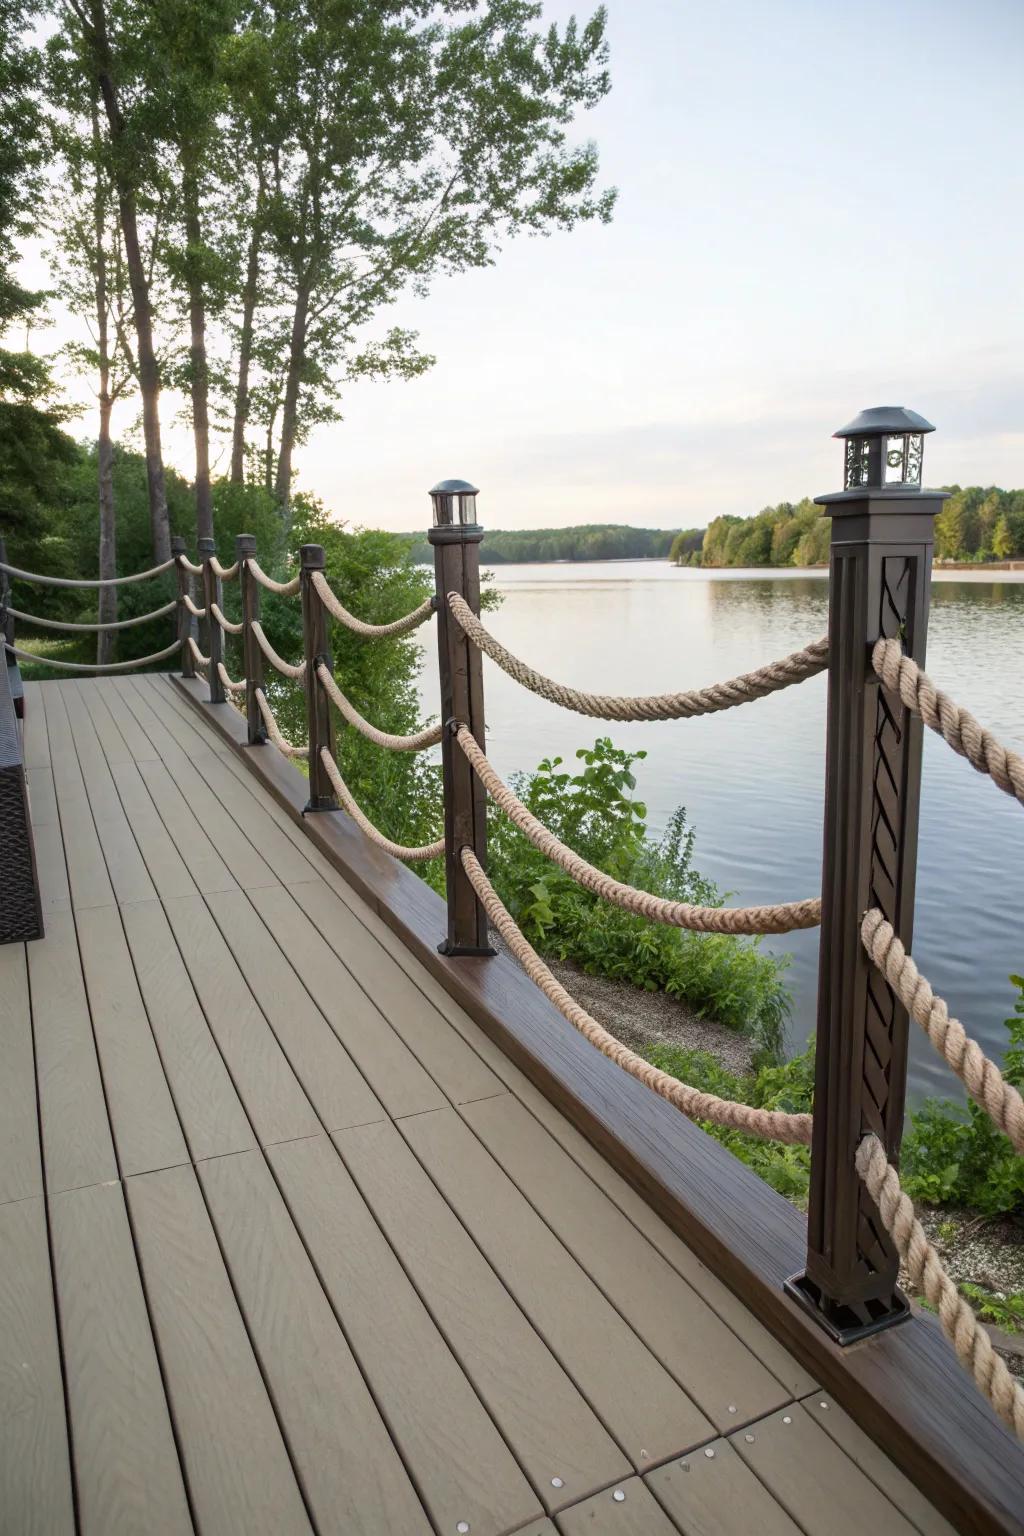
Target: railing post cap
[[245, 543], [206, 546], [178, 545], [311, 557]]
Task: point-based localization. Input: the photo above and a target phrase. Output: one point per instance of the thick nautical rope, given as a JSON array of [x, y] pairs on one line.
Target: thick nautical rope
[[374, 631], [978, 1073], [198, 657], [286, 668], [66, 581], [957, 726], [225, 572], [345, 796], [274, 730], [222, 673], [775, 1125], [677, 914], [283, 588], [81, 666], [659, 706], [227, 625], [143, 618], [428, 737], [193, 607], [186, 565], [968, 1337]]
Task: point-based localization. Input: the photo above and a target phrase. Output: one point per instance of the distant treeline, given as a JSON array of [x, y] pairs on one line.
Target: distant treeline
[[594, 541], [977, 523]]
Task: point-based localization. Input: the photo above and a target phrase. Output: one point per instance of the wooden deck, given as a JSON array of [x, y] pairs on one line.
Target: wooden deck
[[288, 1244]]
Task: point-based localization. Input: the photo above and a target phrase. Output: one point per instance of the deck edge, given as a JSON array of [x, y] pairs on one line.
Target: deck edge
[[903, 1387]]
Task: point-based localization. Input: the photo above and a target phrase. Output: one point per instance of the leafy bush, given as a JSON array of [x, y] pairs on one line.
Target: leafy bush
[[728, 978], [953, 1154], [789, 1086]]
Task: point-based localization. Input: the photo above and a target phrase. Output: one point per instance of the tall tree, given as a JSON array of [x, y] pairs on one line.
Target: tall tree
[[114, 61]]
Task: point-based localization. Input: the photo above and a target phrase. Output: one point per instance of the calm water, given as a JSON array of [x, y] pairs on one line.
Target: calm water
[[752, 778]]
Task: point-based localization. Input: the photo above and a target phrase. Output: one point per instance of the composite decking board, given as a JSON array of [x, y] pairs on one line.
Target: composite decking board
[[876, 1465], [51, 868], [35, 744], [454, 1066], [351, 1474], [550, 1428], [210, 1110], [237, 1468], [721, 1374], [270, 1092], [649, 1414], [635, 1512], [718, 1495], [77, 1146], [396, 1077], [461, 1466], [814, 1480], [86, 867], [144, 709], [203, 736], [139, 746], [248, 867], [246, 809], [167, 869], [125, 1461], [333, 1084], [21, 1169], [42, 797], [202, 860], [99, 786], [147, 1132], [185, 735], [35, 1473], [111, 739]]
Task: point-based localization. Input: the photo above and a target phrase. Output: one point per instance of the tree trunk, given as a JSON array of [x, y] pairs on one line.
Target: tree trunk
[[105, 643], [250, 293], [290, 408], [149, 375], [200, 373]]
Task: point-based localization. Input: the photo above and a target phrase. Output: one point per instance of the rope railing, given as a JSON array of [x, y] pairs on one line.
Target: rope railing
[[291, 669], [223, 674], [67, 581], [225, 572], [274, 730], [197, 655], [795, 668], [142, 618], [226, 624], [193, 607], [428, 737], [941, 714], [345, 796], [784, 918], [82, 666], [969, 1338], [282, 588], [979, 1074], [186, 565], [338, 611]]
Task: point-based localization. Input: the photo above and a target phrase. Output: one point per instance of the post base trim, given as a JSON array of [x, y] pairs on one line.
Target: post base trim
[[846, 1322], [447, 947]]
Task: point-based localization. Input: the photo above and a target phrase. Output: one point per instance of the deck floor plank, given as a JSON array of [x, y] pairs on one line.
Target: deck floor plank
[[167, 868], [349, 1469], [35, 741], [35, 1470], [21, 1169], [876, 1465], [717, 1494], [86, 867], [238, 1470], [460, 1463], [550, 1427], [125, 1459], [202, 860], [634, 1512], [651, 1417]]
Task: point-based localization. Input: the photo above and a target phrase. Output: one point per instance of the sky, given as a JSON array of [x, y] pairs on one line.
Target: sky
[[820, 209]]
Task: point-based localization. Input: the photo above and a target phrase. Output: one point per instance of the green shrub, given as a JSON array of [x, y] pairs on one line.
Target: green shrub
[[594, 812]]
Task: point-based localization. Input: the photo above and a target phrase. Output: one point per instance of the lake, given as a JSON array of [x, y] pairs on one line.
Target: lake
[[752, 778]]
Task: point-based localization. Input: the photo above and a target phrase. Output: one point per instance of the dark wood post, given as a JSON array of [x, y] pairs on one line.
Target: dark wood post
[[879, 582], [185, 619], [214, 634], [316, 645], [456, 537], [252, 656]]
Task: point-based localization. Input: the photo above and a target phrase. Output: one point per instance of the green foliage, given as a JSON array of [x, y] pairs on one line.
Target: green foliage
[[596, 541], [953, 1154], [789, 1086], [1006, 1312], [728, 978]]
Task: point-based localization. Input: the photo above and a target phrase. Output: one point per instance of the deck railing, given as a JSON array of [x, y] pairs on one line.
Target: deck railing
[[861, 1226]]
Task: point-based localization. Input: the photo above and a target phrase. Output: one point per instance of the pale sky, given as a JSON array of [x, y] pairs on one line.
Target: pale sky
[[820, 209]]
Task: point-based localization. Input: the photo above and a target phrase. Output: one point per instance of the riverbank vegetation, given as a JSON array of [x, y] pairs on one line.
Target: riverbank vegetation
[[591, 541], [977, 524]]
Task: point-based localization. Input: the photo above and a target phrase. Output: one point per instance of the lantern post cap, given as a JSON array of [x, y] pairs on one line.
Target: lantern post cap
[[884, 418]]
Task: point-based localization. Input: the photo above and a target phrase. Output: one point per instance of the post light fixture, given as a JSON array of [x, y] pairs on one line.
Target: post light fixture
[[454, 503], [884, 450]]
